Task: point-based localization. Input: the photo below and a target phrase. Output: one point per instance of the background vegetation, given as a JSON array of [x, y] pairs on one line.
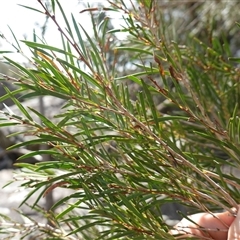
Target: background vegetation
[[147, 120]]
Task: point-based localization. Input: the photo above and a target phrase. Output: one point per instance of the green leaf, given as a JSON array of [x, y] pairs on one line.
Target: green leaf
[[80, 39], [23, 69], [44, 120], [39, 46], [33, 9], [19, 105], [1, 52], [234, 59], [83, 73], [134, 50], [39, 152], [151, 104], [18, 49], [65, 19], [53, 5], [95, 53], [26, 143]]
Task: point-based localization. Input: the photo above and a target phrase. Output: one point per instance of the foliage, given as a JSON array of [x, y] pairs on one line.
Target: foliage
[[124, 153]]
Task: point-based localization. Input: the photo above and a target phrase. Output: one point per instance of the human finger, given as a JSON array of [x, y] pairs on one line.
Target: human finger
[[205, 225], [234, 229]]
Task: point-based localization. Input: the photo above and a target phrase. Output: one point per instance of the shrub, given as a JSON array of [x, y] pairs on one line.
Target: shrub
[[148, 120]]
